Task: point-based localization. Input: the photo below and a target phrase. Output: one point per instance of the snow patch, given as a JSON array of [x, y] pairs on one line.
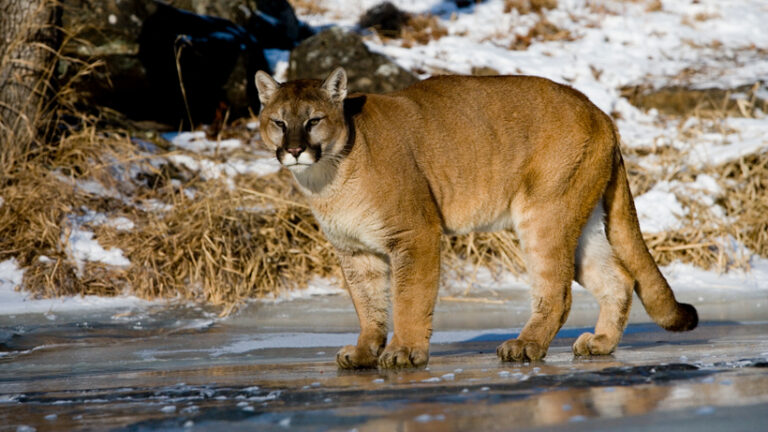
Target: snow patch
[[315, 287], [82, 247], [659, 210], [213, 170], [11, 276], [198, 142]]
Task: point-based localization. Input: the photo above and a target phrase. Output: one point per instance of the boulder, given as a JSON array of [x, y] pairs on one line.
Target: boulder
[[367, 72], [384, 18]]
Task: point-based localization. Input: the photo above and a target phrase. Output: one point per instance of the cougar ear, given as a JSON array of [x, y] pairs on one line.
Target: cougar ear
[[336, 84], [266, 86]]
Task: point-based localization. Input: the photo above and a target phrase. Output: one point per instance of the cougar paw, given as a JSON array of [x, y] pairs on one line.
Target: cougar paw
[[355, 357], [520, 350], [398, 357], [590, 344]]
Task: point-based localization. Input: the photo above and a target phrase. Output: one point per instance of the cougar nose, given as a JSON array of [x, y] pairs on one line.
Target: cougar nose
[[295, 151]]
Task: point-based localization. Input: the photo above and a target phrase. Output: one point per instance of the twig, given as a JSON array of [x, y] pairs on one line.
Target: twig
[[178, 48]]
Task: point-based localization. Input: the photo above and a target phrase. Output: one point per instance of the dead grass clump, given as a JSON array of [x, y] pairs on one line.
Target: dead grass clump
[[385, 18], [225, 247], [718, 232], [543, 30], [389, 22], [527, 6], [703, 241], [746, 201], [192, 239], [495, 250], [421, 29], [41, 196], [704, 103], [654, 6]]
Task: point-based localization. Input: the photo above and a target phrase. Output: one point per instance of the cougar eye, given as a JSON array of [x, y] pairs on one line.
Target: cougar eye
[[313, 122], [279, 123]]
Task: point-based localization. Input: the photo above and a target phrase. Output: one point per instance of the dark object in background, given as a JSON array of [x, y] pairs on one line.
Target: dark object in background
[[367, 72], [385, 18], [207, 50], [106, 34], [466, 3], [275, 25]]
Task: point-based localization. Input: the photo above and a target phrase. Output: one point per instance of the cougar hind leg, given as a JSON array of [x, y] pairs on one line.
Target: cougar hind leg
[[602, 274], [549, 256]]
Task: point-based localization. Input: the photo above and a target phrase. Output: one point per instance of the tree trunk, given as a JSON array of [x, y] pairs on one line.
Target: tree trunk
[[28, 38]]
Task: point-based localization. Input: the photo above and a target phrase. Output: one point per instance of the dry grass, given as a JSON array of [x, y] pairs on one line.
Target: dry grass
[[710, 103], [222, 246], [543, 30], [654, 6], [746, 200], [527, 6], [37, 202], [421, 29], [227, 246]]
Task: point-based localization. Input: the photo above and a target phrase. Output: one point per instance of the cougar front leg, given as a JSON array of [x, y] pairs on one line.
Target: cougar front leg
[[367, 278], [415, 264]]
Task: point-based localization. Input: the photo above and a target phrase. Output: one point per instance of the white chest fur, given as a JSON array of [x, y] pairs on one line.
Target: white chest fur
[[351, 226]]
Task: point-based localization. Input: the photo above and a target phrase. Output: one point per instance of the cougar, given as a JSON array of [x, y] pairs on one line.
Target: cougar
[[386, 174]]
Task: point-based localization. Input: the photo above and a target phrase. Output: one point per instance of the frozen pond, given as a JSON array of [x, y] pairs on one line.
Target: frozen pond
[[271, 367]]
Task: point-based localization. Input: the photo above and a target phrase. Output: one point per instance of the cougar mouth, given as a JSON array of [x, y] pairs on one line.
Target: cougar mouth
[[301, 157]]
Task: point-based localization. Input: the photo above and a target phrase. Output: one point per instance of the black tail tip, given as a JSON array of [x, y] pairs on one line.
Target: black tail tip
[[686, 319]]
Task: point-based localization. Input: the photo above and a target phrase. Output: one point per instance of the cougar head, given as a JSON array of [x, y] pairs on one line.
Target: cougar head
[[303, 120]]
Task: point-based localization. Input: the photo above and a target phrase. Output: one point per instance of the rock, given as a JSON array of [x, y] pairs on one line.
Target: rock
[[106, 35], [384, 17], [367, 72], [104, 27]]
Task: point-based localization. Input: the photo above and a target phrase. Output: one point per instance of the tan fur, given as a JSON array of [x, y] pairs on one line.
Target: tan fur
[[385, 175]]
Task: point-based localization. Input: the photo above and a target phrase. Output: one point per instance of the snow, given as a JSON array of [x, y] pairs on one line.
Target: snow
[[748, 136], [198, 147], [688, 278], [10, 277], [658, 209], [14, 302], [82, 247], [315, 287], [213, 170], [197, 142]]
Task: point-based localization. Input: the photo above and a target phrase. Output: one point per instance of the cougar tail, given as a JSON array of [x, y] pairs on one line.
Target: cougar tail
[[623, 231]]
